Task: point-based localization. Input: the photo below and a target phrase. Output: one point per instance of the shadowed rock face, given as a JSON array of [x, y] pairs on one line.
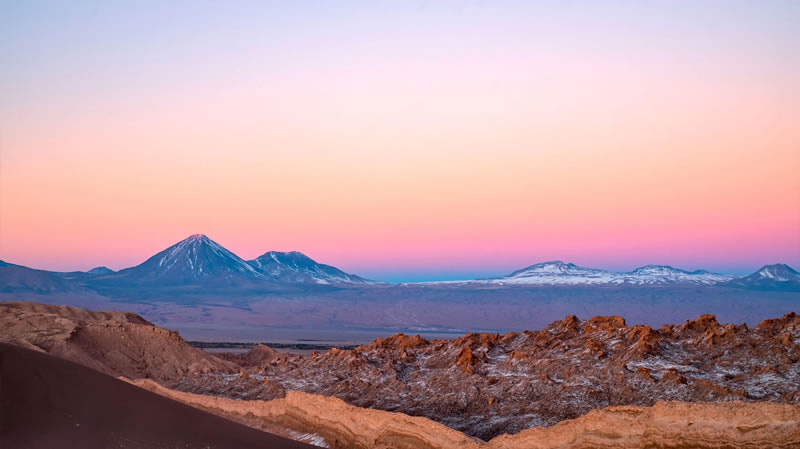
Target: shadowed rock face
[[491, 384], [116, 343], [676, 425]]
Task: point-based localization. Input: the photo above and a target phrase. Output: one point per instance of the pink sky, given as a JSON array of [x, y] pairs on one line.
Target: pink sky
[[403, 143]]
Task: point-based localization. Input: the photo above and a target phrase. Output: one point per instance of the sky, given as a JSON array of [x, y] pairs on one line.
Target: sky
[[402, 141]]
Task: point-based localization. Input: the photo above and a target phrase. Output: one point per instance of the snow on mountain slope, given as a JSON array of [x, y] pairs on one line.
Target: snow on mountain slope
[[195, 258], [560, 273], [294, 266], [555, 272], [776, 276], [656, 274]]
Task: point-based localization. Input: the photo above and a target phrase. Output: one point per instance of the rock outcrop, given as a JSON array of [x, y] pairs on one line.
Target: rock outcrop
[[116, 343], [491, 384], [729, 425], [258, 355]]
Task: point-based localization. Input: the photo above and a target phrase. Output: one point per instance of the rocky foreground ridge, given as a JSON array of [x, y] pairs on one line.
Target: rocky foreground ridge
[[664, 425], [491, 384], [116, 343], [576, 383]]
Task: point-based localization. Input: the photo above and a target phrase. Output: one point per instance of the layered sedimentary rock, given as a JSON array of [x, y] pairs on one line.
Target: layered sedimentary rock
[[491, 384], [728, 425]]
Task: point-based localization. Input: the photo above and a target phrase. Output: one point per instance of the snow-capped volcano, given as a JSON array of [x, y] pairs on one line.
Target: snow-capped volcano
[[778, 272], [196, 258], [200, 261], [294, 266], [560, 273], [777, 276]]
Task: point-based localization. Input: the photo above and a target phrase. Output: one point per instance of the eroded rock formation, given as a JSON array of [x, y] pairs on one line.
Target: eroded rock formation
[[335, 424], [504, 389], [489, 384], [116, 343]]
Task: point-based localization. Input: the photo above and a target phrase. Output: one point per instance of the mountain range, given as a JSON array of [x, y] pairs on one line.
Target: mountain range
[[196, 259], [560, 273], [200, 261], [295, 266]]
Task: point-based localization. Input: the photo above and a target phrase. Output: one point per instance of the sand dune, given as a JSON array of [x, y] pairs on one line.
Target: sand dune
[[48, 402]]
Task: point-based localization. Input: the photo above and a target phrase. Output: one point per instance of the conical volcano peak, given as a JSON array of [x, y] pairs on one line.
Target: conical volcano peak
[[197, 237], [777, 276], [778, 271], [196, 257]]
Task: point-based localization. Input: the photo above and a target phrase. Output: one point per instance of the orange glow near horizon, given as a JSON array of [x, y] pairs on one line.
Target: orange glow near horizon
[[481, 155]]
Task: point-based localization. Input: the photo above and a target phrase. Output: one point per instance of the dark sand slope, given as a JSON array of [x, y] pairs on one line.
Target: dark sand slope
[[48, 402]]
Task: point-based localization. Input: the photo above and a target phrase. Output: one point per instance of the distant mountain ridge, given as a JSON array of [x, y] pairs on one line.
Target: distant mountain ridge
[[561, 273], [18, 278], [96, 271], [194, 259], [295, 266], [198, 260], [775, 277]]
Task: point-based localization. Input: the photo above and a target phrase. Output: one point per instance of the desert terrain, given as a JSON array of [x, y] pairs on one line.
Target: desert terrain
[[575, 384]]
